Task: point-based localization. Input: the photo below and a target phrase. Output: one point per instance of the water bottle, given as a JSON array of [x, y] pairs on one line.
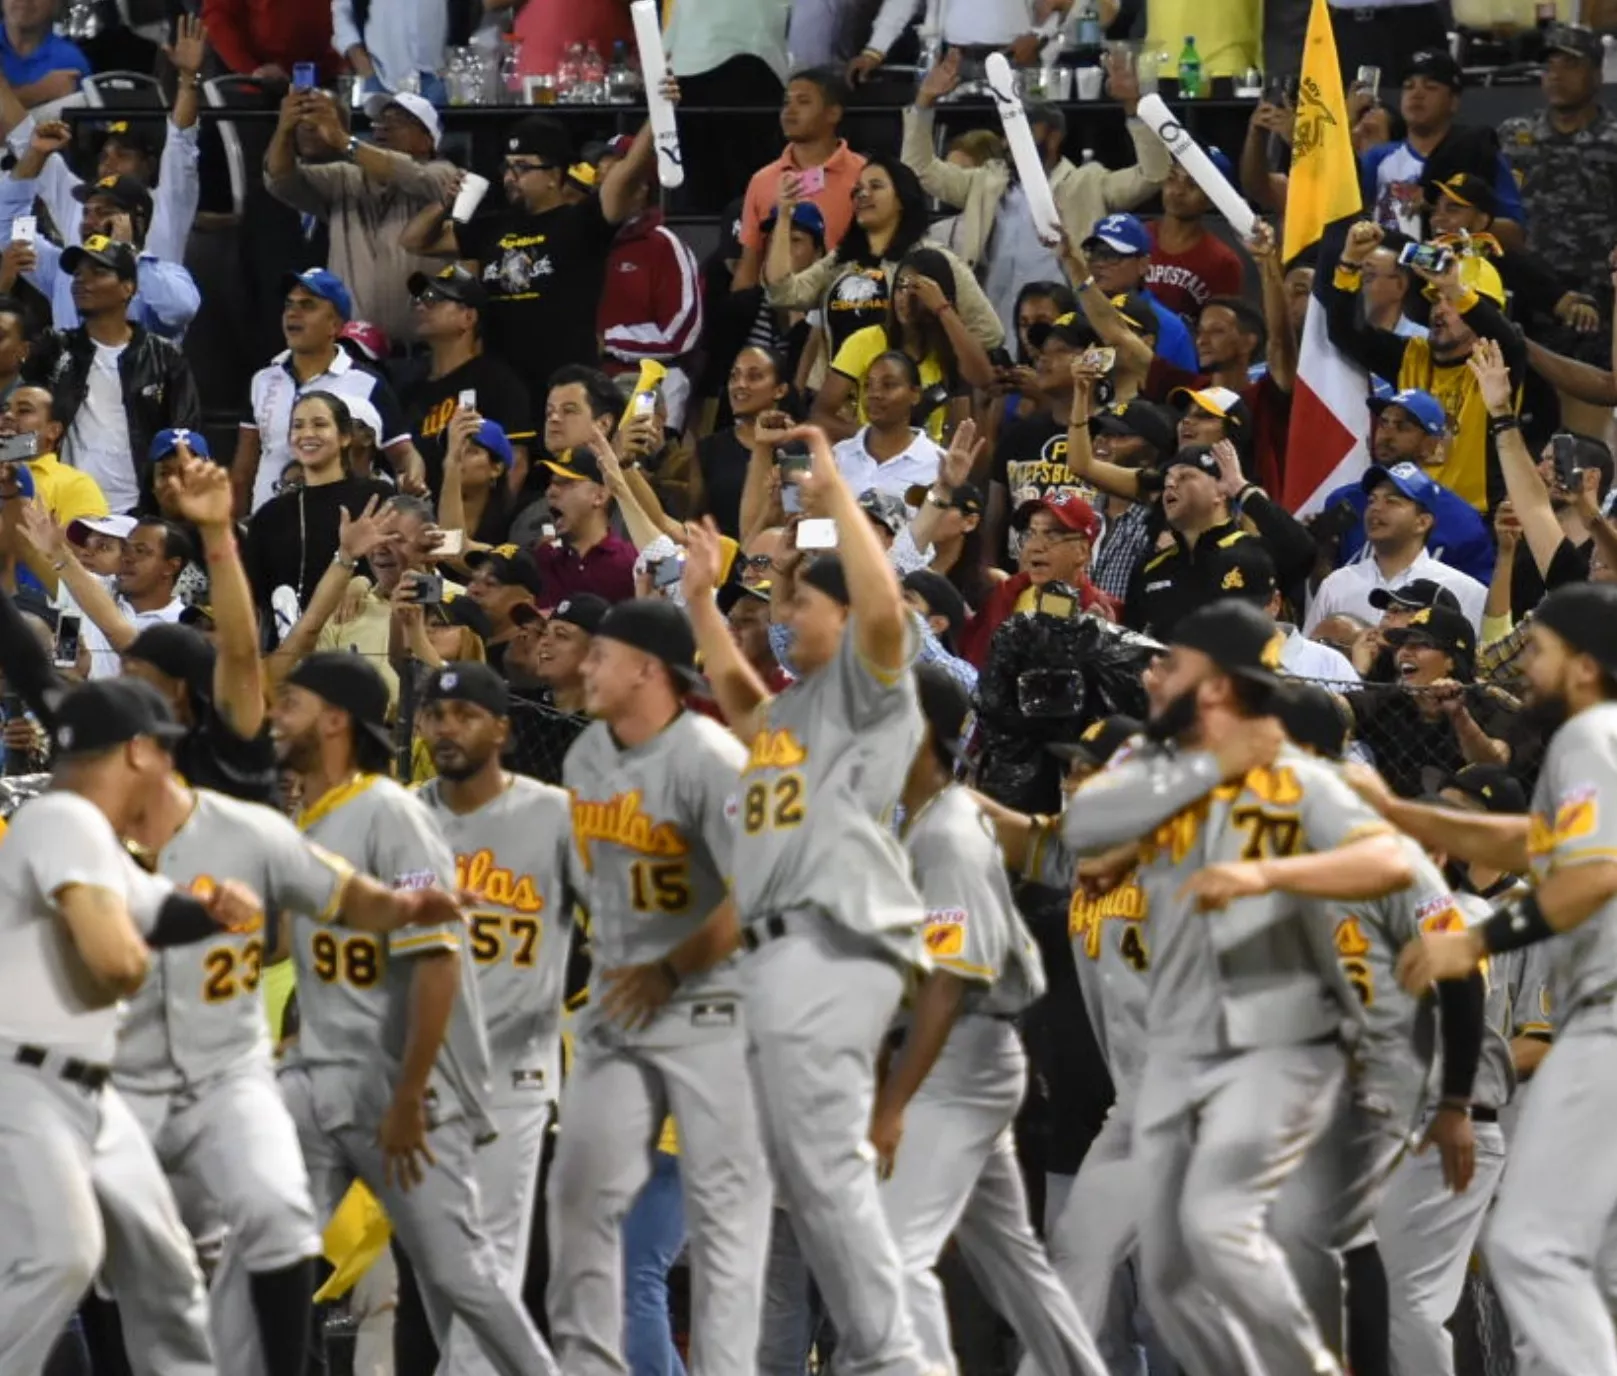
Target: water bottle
[[569, 73], [1089, 30], [593, 75], [510, 69], [620, 81], [1191, 85]]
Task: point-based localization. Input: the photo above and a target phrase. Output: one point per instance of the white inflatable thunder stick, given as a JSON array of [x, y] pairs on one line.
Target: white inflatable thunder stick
[[648, 37], [1025, 152], [1229, 201]]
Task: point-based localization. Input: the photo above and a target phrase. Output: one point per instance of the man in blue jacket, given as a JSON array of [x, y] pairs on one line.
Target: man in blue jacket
[[1119, 252], [1408, 435]]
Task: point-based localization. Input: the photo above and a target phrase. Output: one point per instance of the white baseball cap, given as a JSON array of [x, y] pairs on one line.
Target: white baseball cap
[[119, 527], [417, 107], [362, 412]]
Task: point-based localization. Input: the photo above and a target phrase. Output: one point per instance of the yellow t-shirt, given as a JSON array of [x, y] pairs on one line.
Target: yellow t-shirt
[[1465, 463], [864, 347], [66, 493]]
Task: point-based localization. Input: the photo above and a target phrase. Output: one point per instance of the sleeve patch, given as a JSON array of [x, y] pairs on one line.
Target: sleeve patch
[[1576, 815], [946, 932], [416, 879], [1439, 914]]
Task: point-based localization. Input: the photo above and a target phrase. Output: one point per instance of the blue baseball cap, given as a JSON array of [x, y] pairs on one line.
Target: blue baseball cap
[[326, 285], [1425, 409], [491, 435], [1220, 160], [1123, 234], [165, 442], [806, 216], [1408, 479]]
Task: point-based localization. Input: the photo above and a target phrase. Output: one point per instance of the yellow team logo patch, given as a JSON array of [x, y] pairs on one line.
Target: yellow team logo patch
[[622, 821], [494, 884], [775, 750], [946, 933], [1440, 914], [1575, 816]]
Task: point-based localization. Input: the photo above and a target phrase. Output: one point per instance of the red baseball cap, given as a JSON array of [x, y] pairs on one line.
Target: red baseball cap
[[1068, 508]]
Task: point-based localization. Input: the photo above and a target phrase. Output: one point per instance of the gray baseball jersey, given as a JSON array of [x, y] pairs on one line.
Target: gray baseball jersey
[[1495, 1084], [512, 853], [1259, 972], [199, 1014], [1574, 822], [653, 832], [56, 841], [354, 988], [818, 792], [972, 926]]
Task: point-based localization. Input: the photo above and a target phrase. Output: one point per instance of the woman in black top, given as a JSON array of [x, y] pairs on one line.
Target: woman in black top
[[293, 537], [758, 383]]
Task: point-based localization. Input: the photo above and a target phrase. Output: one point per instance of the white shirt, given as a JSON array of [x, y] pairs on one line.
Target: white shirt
[[60, 839], [1348, 589], [964, 23], [1304, 658], [917, 464], [274, 392], [403, 37], [98, 440], [705, 34], [104, 660]]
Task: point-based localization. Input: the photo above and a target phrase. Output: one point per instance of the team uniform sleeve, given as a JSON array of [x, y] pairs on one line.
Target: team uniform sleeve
[[870, 695], [1532, 1006], [714, 805], [409, 852], [1332, 814], [965, 930], [1582, 826], [65, 841], [303, 877], [1127, 803]]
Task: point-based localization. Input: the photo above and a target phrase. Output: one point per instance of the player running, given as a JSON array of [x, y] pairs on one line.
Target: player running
[[389, 1079], [831, 919], [511, 838], [653, 789], [1559, 1197]]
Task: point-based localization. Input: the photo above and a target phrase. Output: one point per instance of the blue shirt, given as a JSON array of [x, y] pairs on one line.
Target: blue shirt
[[1459, 537], [1174, 341], [1392, 175], [55, 54]]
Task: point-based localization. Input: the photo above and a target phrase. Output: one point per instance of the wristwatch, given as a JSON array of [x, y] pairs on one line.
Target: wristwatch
[[341, 558], [353, 147], [932, 499]]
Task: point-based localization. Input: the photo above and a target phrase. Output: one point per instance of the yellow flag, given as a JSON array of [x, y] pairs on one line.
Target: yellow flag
[[356, 1234], [1324, 182]]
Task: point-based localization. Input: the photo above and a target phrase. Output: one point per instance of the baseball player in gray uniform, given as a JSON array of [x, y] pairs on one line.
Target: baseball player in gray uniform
[[942, 1126], [1556, 1205], [194, 1059], [389, 1079], [831, 919], [511, 838], [653, 797], [73, 905], [1247, 1003]]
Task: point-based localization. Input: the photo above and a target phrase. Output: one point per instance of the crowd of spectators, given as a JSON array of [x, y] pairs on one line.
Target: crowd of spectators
[[479, 432]]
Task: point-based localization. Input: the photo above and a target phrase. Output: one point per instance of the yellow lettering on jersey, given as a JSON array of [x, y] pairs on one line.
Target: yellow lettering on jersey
[[1351, 942], [1085, 917], [622, 821], [775, 750], [494, 884], [1278, 787], [1540, 837], [1176, 836]]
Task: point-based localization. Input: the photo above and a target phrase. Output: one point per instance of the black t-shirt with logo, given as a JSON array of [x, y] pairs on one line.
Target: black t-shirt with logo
[[1030, 460], [430, 403], [544, 274], [856, 299]]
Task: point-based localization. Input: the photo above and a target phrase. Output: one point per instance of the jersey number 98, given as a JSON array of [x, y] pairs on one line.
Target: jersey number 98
[[778, 805], [354, 960], [489, 936]]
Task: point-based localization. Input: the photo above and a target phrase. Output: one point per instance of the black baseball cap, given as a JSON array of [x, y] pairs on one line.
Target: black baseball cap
[[1585, 616], [1244, 569], [463, 611], [179, 651], [1492, 786], [1237, 637], [1440, 627], [1413, 596], [583, 609], [1197, 456], [109, 253], [453, 282], [733, 593], [105, 713], [1467, 189], [512, 567], [658, 628], [124, 192], [576, 465], [884, 509], [1140, 418], [1137, 311], [1072, 329], [825, 573], [144, 136], [348, 682], [465, 680], [941, 597], [542, 137], [945, 704], [966, 499], [1099, 741], [1314, 718], [1437, 64]]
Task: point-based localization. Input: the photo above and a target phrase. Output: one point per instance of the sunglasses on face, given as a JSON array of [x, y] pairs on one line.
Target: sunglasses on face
[[754, 561]]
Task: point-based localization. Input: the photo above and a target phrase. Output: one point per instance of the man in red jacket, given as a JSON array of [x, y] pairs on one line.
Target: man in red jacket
[[651, 302], [1060, 531]]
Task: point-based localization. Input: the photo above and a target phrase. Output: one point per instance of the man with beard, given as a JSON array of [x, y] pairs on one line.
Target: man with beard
[[1410, 427], [653, 792], [1558, 1199], [388, 1080], [511, 837], [1247, 1001], [1466, 307]]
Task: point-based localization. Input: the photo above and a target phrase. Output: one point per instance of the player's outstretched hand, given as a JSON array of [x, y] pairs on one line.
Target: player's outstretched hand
[[703, 559], [1217, 886], [1253, 747], [428, 908], [886, 1132], [1456, 1142], [235, 907], [403, 1139], [635, 994], [1435, 956]]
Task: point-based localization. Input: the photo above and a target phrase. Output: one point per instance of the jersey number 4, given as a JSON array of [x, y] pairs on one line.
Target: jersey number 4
[[355, 960], [489, 936], [231, 971], [778, 805]]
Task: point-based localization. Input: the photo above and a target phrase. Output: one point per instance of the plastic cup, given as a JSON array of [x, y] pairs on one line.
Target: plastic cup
[[469, 197]]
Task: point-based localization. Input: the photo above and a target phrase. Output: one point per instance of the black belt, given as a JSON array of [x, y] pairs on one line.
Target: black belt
[[765, 929], [1479, 1114], [82, 1073]]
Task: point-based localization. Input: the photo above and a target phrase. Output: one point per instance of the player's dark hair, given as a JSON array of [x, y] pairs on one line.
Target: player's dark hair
[[340, 415], [833, 86], [903, 362], [914, 220], [370, 754], [1247, 318], [1252, 697], [177, 543], [601, 392]]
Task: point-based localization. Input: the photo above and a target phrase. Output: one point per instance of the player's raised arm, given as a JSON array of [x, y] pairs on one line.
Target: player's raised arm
[[105, 937], [736, 686], [1482, 838]]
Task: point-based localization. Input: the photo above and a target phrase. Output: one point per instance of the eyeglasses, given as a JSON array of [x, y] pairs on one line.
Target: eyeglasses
[[431, 296], [755, 561], [1055, 537], [521, 169]]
